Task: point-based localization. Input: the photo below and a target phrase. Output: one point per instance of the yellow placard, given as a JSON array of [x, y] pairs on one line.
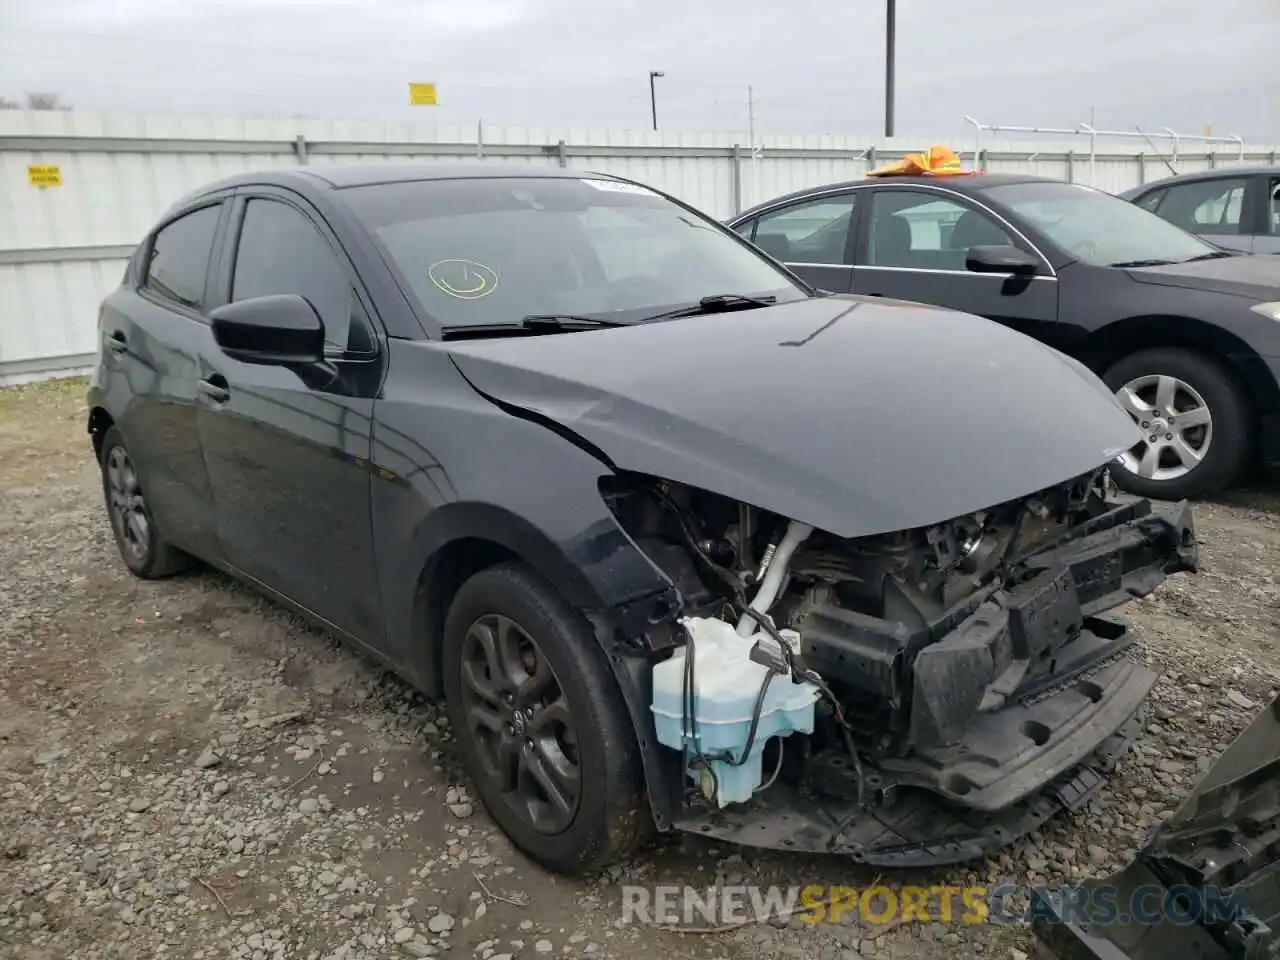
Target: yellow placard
[[46, 175], [422, 95]]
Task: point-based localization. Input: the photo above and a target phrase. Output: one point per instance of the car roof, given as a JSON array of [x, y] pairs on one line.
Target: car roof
[[961, 184], [329, 176], [1214, 173]]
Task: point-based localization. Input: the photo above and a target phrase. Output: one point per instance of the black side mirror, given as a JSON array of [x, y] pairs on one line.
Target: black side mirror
[[279, 329], [1000, 258]]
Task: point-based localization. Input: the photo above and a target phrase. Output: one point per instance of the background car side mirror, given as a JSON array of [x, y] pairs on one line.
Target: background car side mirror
[[1000, 258], [279, 329]]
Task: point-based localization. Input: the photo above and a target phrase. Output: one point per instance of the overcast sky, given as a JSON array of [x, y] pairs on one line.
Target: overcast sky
[[816, 66]]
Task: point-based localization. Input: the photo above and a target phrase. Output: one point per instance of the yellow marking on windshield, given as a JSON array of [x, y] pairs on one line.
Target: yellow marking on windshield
[[463, 279]]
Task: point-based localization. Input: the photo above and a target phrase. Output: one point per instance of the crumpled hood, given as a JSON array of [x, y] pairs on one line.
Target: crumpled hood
[[855, 415], [1243, 276]]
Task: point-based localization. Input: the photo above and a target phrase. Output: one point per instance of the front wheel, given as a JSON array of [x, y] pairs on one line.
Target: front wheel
[[1194, 420], [541, 724]]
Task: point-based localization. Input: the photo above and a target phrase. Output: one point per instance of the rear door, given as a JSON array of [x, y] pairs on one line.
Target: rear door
[[813, 236], [152, 330], [288, 448], [912, 245]]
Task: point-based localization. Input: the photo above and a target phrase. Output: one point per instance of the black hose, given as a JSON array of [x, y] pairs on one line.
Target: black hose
[[691, 541], [828, 695]]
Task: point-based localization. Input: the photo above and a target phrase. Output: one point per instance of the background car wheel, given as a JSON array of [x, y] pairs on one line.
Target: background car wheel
[[1195, 423], [541, 724], [144, 550]]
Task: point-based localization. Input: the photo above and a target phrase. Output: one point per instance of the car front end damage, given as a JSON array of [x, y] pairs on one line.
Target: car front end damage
[[1206, 886], [917, 697]]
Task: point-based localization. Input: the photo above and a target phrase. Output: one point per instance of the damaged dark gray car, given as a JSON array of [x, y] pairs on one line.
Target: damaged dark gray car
[[683, 542]]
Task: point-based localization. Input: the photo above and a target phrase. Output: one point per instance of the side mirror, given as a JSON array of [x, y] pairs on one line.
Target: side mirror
[[279, 329], [1000, 258]]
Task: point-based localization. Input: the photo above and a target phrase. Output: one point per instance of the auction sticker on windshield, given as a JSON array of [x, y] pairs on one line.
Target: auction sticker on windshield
[[613, 186]]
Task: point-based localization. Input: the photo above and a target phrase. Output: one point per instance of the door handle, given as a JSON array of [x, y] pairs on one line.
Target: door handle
[[214, 389], [117, 343]]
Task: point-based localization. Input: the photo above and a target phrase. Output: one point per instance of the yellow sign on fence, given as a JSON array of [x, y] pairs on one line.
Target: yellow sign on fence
[[47, 175], [422, 95]]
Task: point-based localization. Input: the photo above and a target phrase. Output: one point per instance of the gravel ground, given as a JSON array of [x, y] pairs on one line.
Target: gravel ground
[[188, 771]]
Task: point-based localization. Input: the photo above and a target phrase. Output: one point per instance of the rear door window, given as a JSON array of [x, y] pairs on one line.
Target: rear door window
[[178, 261]]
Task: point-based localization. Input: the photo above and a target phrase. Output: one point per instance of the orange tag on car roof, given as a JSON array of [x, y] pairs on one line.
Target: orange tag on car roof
[[937, 161]]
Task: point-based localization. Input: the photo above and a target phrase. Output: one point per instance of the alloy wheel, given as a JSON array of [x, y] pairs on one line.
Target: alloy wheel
[[1176, 425], [128, 507], [517, 716]]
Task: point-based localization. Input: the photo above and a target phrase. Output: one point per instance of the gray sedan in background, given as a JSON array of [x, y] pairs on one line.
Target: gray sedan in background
[[1237, 208]]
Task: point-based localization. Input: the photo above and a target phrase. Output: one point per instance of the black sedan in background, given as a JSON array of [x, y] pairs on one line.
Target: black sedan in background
[[1185, 333]]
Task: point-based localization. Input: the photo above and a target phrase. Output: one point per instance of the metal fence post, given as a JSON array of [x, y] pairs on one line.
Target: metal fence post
[[982, 159], [562, 154], [736, 178], [300, 149], [1071, 166], [1142, 168], [871, 158]]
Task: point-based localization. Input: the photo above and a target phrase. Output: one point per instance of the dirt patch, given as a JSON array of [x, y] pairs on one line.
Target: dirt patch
[[188, 771]]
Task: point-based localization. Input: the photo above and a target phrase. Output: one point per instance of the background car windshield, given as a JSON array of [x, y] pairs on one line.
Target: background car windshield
[[493, 250], [1096, 227]]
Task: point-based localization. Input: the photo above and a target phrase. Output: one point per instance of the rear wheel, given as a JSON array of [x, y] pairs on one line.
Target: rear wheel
[[541, 724], [144, 549], [1194, 420]]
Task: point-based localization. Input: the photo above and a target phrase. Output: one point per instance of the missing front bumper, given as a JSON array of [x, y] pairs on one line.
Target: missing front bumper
[[906, 827]]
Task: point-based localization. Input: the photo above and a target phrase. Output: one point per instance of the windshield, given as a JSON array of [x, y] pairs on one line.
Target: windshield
[[495, 250], [1096, 227]]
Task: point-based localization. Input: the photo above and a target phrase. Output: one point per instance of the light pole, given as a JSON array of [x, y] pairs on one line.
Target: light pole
[[889, 30], [653, 99]]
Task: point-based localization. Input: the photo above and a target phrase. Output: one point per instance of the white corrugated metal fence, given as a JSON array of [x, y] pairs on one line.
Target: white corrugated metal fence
[[63, 247]]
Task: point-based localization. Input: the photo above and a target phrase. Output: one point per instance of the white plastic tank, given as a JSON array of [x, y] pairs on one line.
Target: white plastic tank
[[726, 687]]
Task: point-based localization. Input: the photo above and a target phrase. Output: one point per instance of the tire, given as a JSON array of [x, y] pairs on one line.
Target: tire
[[143, 548], [1201, 380], [610, 818]]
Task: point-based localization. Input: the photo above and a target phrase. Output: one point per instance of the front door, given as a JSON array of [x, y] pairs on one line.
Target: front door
[[813, 237], [913, 246], [1268, 240], [1217, 209], [288, 448]]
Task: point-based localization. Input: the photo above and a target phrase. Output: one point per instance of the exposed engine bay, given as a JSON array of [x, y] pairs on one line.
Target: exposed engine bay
[[917, 696]]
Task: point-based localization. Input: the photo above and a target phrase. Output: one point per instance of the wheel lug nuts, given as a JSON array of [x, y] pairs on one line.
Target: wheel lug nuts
[[1152, 438], [508, 730], [1145, 424], [1168, 436]]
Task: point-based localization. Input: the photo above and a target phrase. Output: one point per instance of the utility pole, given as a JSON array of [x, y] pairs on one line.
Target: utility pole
[[653, 97], [751, 142], [889, 31]]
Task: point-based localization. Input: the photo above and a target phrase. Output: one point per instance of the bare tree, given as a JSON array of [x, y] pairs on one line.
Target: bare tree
[[35, 101], [46, 101]]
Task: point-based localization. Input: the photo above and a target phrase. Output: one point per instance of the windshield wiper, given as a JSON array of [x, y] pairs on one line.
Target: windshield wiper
[[535, 323], [1142, 263], [1212, 255], [564, 321], [716, 303]]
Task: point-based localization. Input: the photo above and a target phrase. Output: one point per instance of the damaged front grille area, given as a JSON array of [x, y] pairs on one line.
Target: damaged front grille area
[[937, 691]]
